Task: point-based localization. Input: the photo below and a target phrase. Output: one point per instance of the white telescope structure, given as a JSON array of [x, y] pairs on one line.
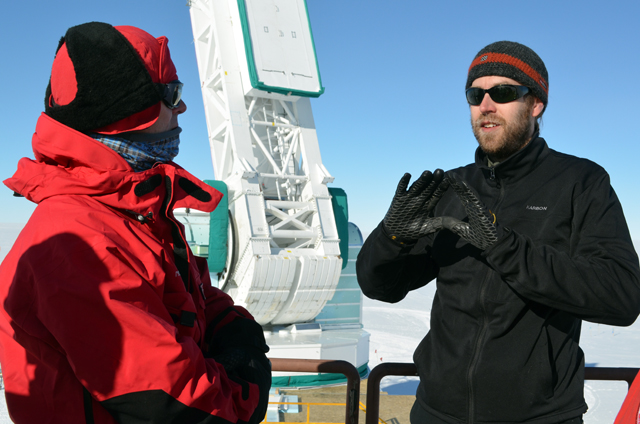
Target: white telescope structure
[[282, 259]]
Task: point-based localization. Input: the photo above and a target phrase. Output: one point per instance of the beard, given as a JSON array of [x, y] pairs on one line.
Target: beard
[[513, 137]]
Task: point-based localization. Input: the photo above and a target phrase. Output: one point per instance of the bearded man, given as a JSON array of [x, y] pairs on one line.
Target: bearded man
[[524, 244]]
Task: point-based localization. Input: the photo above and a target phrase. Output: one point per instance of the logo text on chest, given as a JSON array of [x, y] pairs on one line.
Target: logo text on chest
[[536, 208]]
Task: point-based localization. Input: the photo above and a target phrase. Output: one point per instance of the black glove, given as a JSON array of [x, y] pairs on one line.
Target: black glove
[[249, 365], [240, 348], [482, 230], [409, 216]]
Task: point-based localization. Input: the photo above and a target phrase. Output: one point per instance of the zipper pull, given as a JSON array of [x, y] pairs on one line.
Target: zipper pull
[[494, 178], [145, 218]]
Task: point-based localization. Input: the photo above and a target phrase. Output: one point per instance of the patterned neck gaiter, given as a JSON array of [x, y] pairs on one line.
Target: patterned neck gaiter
[[143, 150]]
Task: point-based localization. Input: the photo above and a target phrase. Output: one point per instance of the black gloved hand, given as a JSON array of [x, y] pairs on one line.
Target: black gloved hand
[[482, 230], [240, 348], [258, 371], [409, 216], [249, 364]]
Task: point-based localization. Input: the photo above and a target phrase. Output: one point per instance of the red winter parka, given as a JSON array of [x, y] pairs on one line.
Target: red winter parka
[[103, 306]]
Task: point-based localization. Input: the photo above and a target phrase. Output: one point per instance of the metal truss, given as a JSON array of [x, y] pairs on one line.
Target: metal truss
[[265, 148]]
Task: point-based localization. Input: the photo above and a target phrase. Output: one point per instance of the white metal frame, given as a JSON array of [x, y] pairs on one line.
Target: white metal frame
[[265, 147]]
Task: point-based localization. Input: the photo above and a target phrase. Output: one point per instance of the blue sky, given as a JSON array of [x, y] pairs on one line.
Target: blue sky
[[394, 74]]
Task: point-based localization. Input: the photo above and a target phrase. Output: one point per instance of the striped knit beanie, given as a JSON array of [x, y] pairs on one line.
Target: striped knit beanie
[[512, 60]]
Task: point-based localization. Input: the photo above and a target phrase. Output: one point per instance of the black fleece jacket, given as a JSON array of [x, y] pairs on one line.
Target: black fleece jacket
[[505, 323]]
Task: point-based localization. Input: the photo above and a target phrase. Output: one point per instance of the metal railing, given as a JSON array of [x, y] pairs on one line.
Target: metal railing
[[373, 385], [328, 366], [353, 404], [408, 369], [308, 405], [613, 374]]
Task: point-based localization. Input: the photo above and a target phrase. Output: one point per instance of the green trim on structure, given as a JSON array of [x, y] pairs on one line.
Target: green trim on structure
[[248, 50], [341, 213], [313, 44], [251, 62], [313, 380], [218, 229]]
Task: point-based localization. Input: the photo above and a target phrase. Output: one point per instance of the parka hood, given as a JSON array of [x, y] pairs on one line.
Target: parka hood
[[68, 162]]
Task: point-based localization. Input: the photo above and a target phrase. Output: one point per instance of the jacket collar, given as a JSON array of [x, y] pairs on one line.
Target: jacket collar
[[71, 163], [517, 165]]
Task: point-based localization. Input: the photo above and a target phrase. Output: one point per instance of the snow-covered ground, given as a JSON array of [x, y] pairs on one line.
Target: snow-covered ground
[[397, 329]]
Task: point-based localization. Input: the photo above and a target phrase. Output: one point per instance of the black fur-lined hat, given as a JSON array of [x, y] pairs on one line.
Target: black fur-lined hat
[[108, 79]]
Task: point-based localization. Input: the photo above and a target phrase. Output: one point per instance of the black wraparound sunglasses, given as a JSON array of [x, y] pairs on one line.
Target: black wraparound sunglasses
[[500, 93], [172, 94]]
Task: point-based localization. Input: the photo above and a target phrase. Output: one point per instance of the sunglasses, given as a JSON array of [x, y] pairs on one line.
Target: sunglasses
[[172, 94], [499, 94]]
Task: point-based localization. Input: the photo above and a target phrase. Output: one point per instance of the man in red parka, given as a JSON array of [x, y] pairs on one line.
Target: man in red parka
[[106, 315]]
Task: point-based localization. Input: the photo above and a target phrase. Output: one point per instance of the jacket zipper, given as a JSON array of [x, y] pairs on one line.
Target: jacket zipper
[[476, 351], [499, 186], [187, 283], [485, 317], [494, 178]]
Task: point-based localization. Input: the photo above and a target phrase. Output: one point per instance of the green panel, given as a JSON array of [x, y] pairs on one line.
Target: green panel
[[350, 269], [340, 296], [341, 212], [341, 313], [253, 74], [316, 379], [218, 229], [348, 282]]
